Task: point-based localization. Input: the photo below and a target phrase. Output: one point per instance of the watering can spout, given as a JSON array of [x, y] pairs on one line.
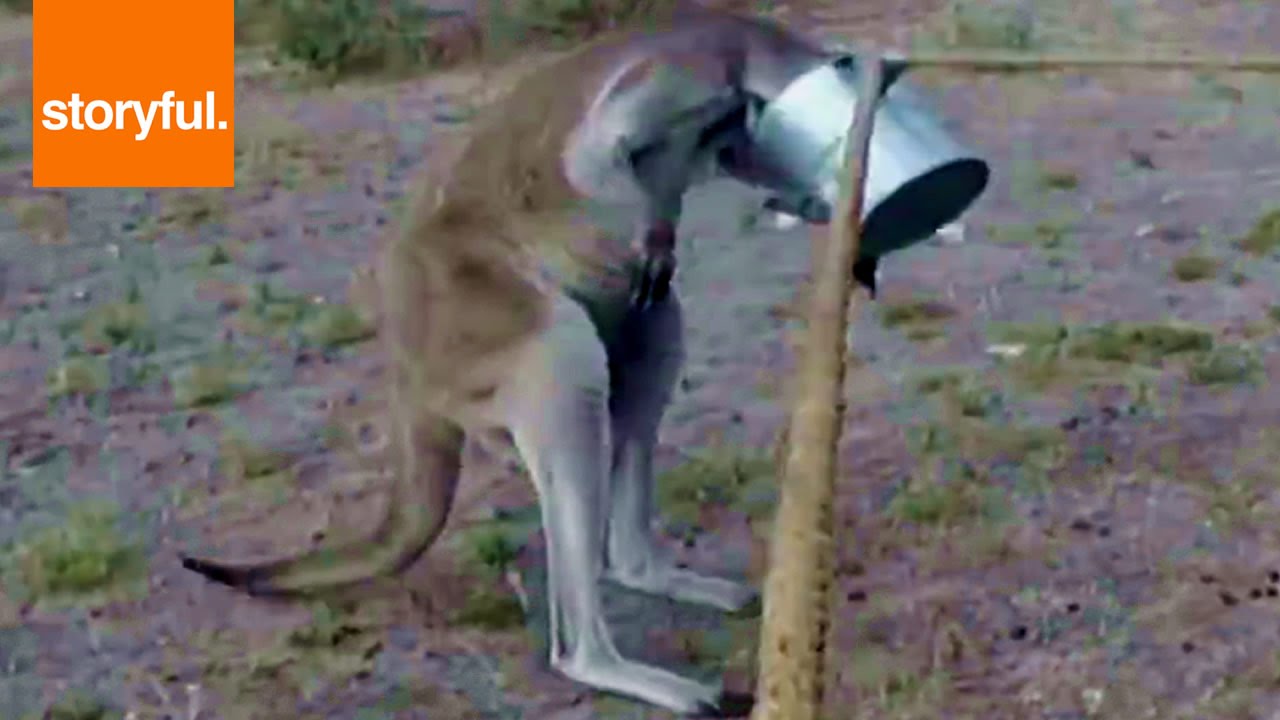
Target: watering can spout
[[918, 178]]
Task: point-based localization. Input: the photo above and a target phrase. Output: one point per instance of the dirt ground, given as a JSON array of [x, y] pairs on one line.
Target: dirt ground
[[1060, 483]]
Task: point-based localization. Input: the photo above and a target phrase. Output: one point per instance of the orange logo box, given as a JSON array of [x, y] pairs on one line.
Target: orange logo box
[[133, 93]]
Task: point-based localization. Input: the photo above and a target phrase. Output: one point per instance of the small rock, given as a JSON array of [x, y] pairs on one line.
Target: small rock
[[1081, 525]]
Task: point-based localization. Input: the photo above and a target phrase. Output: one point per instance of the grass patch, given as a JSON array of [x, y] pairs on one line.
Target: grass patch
[[332, 325], [571, 19], [1225, 365], [216, 255], [272, 147], [1141, 343], [267, 679], [1057, 354], [1059, 179], [1120, 342], [77, 375], [490, 609], [930, 503], [85, 558], [896, 688], [1264, 237], [272, 314], [43, 217], [185, 210], [492, 548], [1049, 234], [80, 705], [961, 389], [1195, 267], [984, 24], [242, 460], [346, 38], [206, 384], [739, 479], [125, 324], [920, 319]]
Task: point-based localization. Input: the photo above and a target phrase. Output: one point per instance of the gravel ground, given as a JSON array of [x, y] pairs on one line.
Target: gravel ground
[[1105, 595]]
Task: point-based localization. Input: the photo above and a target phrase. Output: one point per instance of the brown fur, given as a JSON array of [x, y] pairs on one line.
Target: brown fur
[[461, 291], [461, 281]]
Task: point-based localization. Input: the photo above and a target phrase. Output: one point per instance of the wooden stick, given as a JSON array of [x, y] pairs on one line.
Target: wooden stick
[[1004, 62], [797, 593]]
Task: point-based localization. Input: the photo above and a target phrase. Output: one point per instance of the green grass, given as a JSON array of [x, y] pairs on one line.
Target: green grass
[[332, 325], [962, 389], [77, 375], [80, 705], [490, 609], [125, 324], [1225, 365], [574, 19], [492, 548], [1058, 354], [239, 459], [206, 384], [891, 685], [82, 559], [1059, 179], [44, 217], [1118, 342], [216, 255], [743, 480], [1141, 343], [920, 319], [1195, 267], [1049, 234], [1264, 237], [274, 314], [343, 38], [336, 646], [929, 503], [983, 24]]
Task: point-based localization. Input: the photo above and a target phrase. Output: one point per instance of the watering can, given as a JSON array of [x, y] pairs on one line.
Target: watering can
[[918, 178]]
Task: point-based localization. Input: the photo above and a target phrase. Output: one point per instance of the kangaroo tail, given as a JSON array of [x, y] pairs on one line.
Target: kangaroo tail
[[422, 493]]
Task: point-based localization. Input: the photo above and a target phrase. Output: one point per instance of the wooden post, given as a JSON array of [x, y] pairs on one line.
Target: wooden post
[[797, 592]]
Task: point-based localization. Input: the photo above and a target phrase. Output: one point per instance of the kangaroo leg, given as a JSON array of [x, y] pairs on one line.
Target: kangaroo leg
[[559, 419], [645, 361], [422, 493]]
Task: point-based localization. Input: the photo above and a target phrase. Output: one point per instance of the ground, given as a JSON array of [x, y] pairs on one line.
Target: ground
[[1058, 493]]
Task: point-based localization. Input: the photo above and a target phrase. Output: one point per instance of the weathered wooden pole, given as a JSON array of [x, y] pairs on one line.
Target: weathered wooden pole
[[797, 592]]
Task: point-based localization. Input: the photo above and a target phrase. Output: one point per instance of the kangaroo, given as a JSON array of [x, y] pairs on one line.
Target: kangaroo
[[530, 292]]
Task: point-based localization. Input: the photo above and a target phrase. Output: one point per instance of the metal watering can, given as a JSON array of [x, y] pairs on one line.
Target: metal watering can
[[918, 177]]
